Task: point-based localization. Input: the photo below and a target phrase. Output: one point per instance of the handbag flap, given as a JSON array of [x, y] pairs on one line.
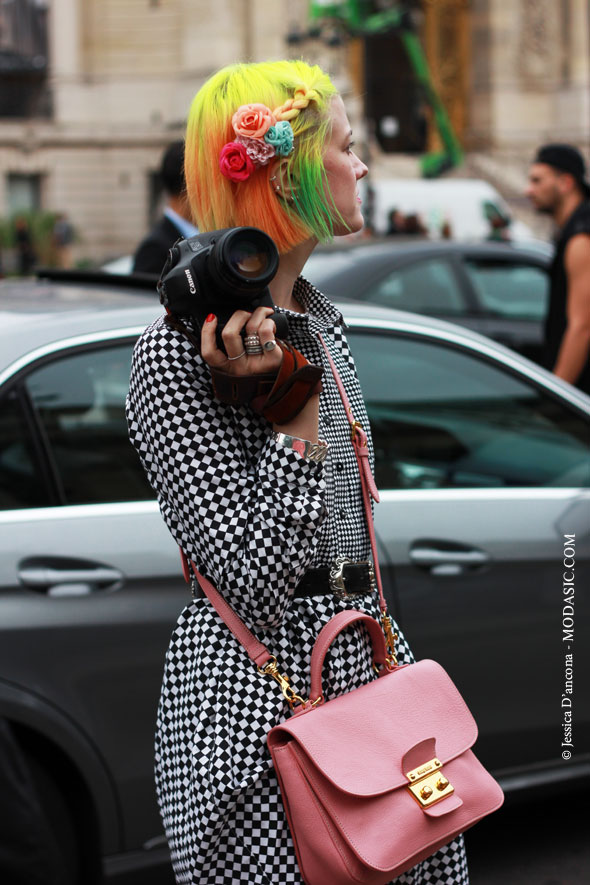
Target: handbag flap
[[378, 724]]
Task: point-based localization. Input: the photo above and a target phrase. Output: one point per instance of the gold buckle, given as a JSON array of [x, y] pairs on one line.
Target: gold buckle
[[354, 429], [271, 668], [390, 638], [428, 785]]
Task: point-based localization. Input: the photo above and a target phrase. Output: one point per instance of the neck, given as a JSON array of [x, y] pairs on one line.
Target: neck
[[290, 266], [567, 208]]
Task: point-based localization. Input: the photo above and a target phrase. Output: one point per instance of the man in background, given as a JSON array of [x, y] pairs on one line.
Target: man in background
[[558, 187], [152, 252]]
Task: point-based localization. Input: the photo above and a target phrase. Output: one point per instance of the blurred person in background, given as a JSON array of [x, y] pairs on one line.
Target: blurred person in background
[[63, 237], [558, 187], [175, 222], [25, 253], [248, 496], [413, 226], [396, 221], [498, 222]]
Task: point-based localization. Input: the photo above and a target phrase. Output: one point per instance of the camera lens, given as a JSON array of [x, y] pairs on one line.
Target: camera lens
[[244, 259], [247, 259]]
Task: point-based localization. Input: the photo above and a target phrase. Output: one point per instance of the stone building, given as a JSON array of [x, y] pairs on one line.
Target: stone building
[[91, 91]]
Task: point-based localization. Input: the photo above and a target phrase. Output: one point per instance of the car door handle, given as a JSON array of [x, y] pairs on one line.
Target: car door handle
[[447, 557], [58, 576]]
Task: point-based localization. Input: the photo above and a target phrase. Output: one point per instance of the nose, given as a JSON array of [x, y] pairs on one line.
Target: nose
[[360, 170]]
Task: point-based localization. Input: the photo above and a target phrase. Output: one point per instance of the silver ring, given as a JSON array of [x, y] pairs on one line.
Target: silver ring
[[252, 345], [243, 353], [270, 345]]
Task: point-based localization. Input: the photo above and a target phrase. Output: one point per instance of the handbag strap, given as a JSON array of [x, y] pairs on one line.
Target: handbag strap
[[369, 489], [328, 634], [256, 651]]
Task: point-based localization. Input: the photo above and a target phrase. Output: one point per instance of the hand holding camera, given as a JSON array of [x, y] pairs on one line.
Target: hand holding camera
[[220, 280]]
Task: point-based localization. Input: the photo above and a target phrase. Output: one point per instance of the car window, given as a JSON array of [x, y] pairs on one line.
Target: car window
[[515, 291], [80, 400], [429, 287], [21, 483], [444, 418], [321, 267]]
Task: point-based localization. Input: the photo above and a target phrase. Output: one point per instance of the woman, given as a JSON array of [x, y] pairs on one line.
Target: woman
[[257, 516]]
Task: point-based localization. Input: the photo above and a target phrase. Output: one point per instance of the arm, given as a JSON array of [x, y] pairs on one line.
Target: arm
[[575, 344], [243, 507]]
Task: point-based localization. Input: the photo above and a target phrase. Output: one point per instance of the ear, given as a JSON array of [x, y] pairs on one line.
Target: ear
[[280, 180]]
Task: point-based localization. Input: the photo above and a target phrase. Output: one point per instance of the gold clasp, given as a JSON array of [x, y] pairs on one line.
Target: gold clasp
[[354, 429], [390, 638], [271, 668], [428, 784]]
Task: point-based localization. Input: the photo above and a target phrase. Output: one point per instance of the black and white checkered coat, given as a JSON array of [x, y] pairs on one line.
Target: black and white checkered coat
[[254, 517]]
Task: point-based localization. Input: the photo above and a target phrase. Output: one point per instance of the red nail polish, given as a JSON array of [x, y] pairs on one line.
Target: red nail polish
[[210, 318]]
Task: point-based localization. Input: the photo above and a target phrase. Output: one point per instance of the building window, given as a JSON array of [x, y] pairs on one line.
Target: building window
[[23, 58], [23, 192]]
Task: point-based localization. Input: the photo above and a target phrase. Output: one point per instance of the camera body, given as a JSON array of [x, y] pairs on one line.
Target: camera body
[[220, 272]]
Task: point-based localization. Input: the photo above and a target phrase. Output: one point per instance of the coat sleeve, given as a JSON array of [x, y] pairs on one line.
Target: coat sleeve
[[248, 523]]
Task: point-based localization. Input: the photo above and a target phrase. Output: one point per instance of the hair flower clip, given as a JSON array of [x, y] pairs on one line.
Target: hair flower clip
[[234, 162], [281, 137], [252, 120], [258, 138]]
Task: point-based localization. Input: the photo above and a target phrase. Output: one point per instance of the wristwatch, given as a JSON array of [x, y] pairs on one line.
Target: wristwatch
[[312, 451]]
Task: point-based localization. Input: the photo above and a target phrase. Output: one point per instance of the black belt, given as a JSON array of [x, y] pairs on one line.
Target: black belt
[[344, 579]]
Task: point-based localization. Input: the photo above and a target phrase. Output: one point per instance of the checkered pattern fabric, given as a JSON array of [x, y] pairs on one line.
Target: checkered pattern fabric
[[254, 516]]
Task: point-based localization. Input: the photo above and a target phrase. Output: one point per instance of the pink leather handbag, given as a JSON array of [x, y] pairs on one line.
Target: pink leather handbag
[[376, 780]]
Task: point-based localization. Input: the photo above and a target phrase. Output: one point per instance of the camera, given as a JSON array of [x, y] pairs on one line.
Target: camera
[[220, 272]]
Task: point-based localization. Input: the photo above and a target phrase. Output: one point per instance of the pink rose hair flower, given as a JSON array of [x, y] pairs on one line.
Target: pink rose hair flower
[[234, 162], [259, 151], [252, 120]]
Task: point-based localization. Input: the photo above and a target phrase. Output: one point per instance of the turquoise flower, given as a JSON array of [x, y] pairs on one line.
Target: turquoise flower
[[280, 136]]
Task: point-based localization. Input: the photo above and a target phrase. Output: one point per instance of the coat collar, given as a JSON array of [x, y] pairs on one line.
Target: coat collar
[[319, 314]]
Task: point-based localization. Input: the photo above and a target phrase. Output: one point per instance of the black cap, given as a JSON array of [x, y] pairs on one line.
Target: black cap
[[565, 158]]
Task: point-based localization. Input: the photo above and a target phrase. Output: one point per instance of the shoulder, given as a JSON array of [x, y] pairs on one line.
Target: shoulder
[[153, 249], [577, 253], [578, 223], [162, 349]]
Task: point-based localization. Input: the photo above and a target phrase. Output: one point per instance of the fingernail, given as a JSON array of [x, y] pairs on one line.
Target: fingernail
[[210, 318]]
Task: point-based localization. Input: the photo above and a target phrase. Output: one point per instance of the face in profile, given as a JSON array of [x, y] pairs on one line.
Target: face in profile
[[344, 170], [544, 189]]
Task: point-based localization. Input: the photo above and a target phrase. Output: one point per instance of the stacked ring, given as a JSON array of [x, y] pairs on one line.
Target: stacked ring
[[252, 345]]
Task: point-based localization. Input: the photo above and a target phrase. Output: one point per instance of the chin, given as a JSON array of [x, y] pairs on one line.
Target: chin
[[354, 225]]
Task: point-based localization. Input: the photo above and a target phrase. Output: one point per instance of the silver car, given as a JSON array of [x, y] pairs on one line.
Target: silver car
[[482, 459]]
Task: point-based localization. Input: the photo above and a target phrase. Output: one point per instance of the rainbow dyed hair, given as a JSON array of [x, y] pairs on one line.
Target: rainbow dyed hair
[[217, 202]]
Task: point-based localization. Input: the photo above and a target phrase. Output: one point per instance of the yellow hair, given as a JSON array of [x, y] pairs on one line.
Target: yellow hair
[[298, 92]]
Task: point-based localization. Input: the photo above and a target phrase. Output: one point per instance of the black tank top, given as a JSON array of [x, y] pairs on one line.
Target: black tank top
[[577, 223]]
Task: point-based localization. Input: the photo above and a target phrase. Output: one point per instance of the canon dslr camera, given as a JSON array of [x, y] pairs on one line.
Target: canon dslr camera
[[220, 272]]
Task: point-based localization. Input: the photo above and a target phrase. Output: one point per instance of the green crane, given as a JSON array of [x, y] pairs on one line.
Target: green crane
[[360, 18]]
